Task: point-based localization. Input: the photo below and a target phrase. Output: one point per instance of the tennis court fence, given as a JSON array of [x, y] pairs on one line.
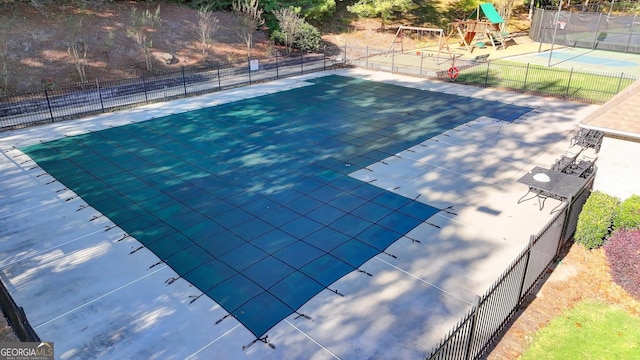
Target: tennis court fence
[[478, 331], [56, 103]]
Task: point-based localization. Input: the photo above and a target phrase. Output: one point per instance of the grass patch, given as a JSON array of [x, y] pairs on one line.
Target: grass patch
[[544, 80], [590, 330]]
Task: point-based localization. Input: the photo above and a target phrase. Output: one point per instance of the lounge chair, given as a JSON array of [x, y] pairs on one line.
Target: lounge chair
[[565, 161], [582, 168], [586, 138]]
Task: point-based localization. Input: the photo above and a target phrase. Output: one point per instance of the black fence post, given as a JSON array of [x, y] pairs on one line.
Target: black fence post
[[324, 57], [620, 82], [486, 75], [366, 60], [301, 66], [526, 76], [476, 310], [277, 66], [345, 53], [565, 222], [100, 94], [393, 60], [46, 95], [184, 82], [218, 67], [566, 93], [144, 86], [532, 238], [249, 68]]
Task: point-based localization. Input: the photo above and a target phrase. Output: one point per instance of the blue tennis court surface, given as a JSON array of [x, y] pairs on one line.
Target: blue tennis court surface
[[252, 201], [587, 59]]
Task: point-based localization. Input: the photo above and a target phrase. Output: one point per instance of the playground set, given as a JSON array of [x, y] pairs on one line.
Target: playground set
[[483, 26]]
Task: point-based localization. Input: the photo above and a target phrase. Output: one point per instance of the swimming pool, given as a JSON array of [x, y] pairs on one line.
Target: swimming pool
[[252, 201]]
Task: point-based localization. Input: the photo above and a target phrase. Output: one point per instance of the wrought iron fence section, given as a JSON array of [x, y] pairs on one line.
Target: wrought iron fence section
[[82, 99], [478, 330]]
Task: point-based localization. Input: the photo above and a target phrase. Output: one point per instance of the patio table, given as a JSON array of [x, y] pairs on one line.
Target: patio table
[[545, 183]]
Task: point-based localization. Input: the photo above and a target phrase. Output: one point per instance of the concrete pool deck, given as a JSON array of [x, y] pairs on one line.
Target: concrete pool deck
[[83, 289]]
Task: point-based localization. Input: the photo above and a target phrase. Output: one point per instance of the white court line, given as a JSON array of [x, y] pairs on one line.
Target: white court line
[[100, 297], [214, 340], [312, 339], [425, 281]]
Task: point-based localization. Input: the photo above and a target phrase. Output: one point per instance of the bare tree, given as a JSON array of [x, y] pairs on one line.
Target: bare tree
[[250, 18], [505, 9], [207, 26], [77, 44], [143, 24], [289, 22]]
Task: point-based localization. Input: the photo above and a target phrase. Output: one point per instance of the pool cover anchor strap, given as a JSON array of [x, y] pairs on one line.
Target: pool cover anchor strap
[[124, 236], [335, 292], [434, 225], [222, 318], [170, 280], [194, 298], [301, 315], [449, 210], [156, 264], [139, 248], [96, 217], [393, 256], [264, 339], [364, 272]]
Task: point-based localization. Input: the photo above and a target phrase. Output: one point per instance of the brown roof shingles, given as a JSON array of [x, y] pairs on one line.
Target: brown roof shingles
[[620, 115]]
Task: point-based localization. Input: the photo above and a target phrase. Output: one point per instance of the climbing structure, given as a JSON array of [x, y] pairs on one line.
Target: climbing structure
[[483, 25]]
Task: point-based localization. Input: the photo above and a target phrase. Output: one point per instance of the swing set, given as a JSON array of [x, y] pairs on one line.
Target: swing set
[[424, 34]]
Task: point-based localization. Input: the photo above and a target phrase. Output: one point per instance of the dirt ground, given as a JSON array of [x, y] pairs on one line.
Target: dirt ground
[[37, 49], [37, 42], [34, 41]]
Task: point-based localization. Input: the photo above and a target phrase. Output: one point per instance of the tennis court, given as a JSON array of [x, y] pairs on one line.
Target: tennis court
[[297, 214], [583, 59]]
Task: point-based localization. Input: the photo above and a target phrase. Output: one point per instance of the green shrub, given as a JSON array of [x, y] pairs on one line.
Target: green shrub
[[596, 219], [308, 38], [628, 214], [277, 36]]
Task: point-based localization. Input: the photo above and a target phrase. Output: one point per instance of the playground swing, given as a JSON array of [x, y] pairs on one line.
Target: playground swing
[[431, 34]]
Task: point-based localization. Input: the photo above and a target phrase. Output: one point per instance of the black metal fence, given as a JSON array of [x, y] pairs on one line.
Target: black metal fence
[[568, 84], [477, 332], [16, 317], [73, 101], [78, 100]]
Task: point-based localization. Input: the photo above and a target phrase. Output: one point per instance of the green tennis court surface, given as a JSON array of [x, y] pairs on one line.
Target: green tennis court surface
[[252, 201]]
